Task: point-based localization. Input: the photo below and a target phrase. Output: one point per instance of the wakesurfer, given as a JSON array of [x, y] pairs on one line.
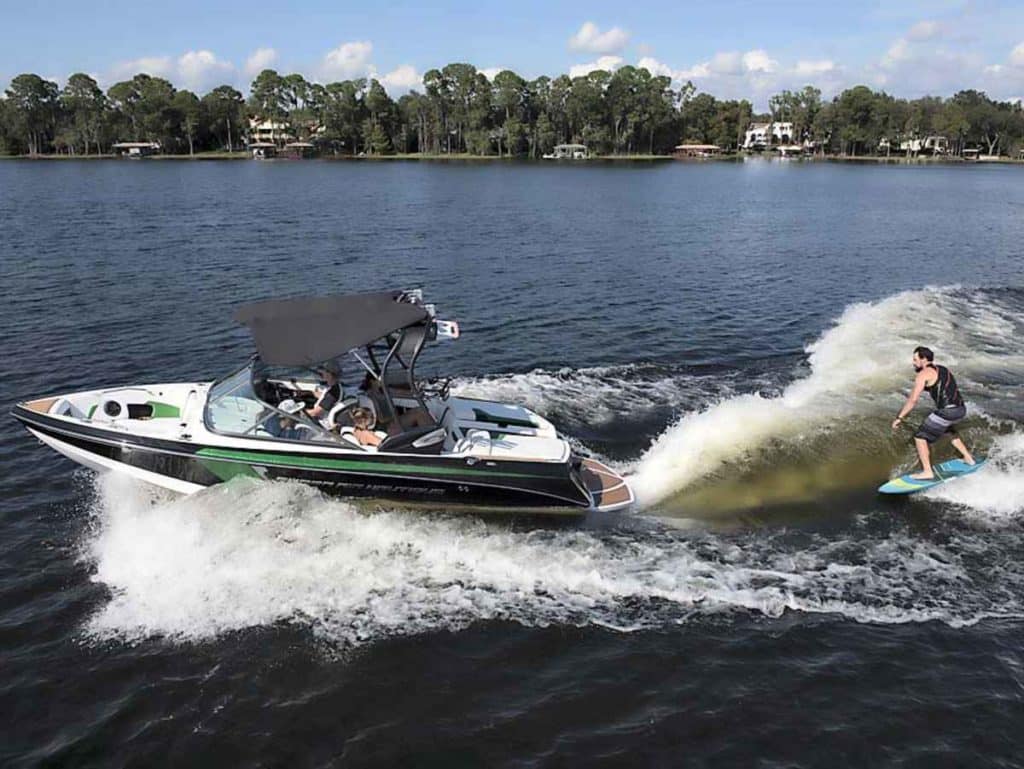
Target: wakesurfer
[[949, 410]]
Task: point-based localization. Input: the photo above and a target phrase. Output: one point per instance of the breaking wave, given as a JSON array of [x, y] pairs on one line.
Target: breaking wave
[[602, 394], [249, 554], [994, 494], [859, 373]]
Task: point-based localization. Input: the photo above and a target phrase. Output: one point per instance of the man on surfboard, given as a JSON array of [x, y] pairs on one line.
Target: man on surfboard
[[949, 409]]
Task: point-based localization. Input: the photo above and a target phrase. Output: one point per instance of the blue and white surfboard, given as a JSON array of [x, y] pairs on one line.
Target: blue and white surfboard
[[947, 471]]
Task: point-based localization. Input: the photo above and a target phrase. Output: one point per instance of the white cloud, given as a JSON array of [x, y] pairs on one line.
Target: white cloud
[[401, 79], [198, 70], [898, 52], [492, 72], [607, 63], [259, 60], [155, 66], [655, 67], [725, 63], [925, 30], [347, 61], [591, 39], [810, 68], [194, 70], [1017, 55], [752, 75], [696, 71], [759, 61]]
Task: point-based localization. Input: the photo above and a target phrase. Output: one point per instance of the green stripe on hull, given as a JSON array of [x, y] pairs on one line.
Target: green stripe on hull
[[356, 465], [163, 410], [228, 470]]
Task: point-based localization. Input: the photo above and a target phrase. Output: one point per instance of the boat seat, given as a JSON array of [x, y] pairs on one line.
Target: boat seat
[[62, 407], [418, 440], [475, 442]]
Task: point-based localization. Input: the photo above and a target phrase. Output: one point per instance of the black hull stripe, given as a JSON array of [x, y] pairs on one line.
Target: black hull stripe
[[186, 462]]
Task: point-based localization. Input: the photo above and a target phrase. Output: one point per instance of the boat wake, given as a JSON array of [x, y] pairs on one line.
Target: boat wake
[[995, 494], [820, 426], [859, 374], [250, 554]]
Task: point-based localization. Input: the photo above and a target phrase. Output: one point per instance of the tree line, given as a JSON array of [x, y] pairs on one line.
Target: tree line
[[461, 110]]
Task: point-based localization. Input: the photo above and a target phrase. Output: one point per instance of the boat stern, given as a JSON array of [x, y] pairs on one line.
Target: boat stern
[[608, 490]]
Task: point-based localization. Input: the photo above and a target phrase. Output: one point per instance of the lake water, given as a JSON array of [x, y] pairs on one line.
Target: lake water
[[735, 336]]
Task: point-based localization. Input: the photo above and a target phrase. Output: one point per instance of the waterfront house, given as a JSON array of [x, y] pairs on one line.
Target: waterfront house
[[135, 149], [760, 135], [568, 152], [683, 151], [929, 145], [269, 130]]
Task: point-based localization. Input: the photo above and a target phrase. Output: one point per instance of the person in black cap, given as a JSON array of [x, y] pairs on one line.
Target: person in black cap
[[328, 394]]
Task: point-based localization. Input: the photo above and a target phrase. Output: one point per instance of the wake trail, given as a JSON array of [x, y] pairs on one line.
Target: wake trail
[[858, 370], [253, 554]]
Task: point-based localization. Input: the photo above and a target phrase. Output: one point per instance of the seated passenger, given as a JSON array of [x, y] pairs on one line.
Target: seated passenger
[[407, 418], [286, 427], [361, 430], [327, 395]]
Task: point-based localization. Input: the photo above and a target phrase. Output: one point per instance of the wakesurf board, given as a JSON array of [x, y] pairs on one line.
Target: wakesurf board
[[946, 471]]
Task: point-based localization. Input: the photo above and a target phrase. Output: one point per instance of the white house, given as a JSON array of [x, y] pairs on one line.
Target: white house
[[268, 131], [929, 145], [136, 149], [756, 137]]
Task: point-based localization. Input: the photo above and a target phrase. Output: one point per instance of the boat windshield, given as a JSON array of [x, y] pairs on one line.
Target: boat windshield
[[234, 408]]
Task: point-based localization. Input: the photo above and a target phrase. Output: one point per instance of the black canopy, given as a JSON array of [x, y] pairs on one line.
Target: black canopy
[[310, 330]]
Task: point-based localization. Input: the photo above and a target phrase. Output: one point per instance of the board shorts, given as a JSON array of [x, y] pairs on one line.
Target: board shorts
[[940, 422]]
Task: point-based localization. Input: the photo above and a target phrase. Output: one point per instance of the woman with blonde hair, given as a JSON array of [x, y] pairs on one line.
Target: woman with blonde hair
[[361, 422]]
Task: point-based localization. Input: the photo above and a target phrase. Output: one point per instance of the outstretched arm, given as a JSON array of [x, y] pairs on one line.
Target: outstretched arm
[[908, 406]]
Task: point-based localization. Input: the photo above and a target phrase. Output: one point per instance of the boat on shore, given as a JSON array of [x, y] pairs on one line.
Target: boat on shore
[[269, 419]]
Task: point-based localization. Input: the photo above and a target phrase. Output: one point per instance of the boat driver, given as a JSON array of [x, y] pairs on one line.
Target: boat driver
[[327, 394]]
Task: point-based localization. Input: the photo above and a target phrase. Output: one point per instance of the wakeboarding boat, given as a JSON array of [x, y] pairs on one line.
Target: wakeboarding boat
[[387, 433]]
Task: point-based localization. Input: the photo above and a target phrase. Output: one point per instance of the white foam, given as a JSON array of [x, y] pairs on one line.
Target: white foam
[[857, 367], [249, 554], [995, 492], [596, 395]]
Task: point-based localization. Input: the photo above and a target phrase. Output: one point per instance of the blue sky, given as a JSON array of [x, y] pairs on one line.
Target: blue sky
[[728, 48]]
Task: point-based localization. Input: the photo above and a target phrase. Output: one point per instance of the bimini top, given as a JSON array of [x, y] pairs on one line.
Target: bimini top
[[310, 330]]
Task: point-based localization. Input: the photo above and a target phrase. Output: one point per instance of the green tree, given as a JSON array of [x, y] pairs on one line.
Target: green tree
[[511, 95], [415, 110], [269, 96], [225, 113], [144, 104], [190, 113], [855, 114], [85, 107], [33, 104], [343, 112], [987, 121]]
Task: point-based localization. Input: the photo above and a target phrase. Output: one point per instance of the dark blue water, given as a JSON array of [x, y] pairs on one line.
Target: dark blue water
[[735, 336]]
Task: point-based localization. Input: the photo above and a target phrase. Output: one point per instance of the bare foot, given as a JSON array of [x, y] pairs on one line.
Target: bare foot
[[923, 476]]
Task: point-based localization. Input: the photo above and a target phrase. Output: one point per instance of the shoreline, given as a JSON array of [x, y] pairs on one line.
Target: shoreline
[[465, 158]]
